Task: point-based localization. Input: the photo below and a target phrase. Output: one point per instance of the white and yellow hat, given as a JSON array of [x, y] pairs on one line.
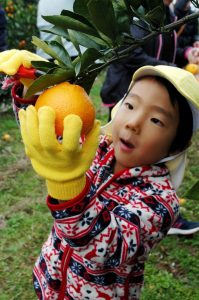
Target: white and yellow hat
[[188, 86]]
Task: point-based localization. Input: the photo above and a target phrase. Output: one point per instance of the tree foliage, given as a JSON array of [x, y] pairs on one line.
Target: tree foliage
[[102, 27]]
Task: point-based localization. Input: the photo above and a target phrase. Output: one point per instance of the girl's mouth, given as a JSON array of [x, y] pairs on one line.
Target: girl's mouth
[[126, 145]]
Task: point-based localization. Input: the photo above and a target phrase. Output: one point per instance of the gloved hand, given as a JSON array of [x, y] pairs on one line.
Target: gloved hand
[[11, 60], [63, 165]]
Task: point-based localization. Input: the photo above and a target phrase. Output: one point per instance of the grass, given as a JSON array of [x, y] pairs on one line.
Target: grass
[[25, 221]]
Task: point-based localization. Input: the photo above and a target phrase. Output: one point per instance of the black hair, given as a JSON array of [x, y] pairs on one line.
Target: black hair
[[185, 126]]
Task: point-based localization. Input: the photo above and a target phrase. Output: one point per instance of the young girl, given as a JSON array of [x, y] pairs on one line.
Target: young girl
[[107, 219]]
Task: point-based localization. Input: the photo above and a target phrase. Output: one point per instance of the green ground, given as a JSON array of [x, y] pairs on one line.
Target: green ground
[[172, 270]]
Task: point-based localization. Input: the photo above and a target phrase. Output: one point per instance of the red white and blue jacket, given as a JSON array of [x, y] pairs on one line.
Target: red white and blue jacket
[[101, 239]]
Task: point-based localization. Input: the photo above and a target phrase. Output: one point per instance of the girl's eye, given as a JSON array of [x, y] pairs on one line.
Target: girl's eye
[[128, 105], [157, 122]]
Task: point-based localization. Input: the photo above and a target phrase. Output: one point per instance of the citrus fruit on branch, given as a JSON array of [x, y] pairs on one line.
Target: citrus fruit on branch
[[66, 98]]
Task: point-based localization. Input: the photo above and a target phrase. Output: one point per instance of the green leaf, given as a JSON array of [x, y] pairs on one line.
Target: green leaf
[[44, 46], [72, 38], [103, 17], [77, 67], [57, 31], [123, 17], [146, 5], [81, 7], [154, 3], [41, 44], [89, 57], [76, 16], [66, 22], [54, 49], [83, 39], [62, 55], [88, 41], [87, 82], [57, 76], [43, 66], [193, 193], [132, 3], [155, 16]]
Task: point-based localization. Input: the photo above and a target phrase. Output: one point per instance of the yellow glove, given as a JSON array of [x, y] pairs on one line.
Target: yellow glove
[[11, 60], [63, 165]]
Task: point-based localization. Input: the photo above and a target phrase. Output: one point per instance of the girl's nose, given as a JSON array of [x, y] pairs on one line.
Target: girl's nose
[[135, 124]]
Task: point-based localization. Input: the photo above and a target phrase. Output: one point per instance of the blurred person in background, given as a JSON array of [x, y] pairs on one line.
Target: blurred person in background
[[3, 30], [163, 49], [187, 33]]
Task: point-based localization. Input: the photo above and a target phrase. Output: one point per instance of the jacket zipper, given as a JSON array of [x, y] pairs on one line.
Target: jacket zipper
[[66, 257]]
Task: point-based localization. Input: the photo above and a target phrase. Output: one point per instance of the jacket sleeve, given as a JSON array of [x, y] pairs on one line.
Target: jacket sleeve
[[109, 233], [139, 57]]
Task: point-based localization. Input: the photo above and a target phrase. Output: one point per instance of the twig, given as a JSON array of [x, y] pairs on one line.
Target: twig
[[125, 52]]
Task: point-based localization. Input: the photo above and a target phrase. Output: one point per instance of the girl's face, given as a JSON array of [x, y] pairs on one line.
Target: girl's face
[[144, 126]]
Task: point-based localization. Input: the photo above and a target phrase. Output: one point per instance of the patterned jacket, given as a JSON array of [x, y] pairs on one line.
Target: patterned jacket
[[101, 239]]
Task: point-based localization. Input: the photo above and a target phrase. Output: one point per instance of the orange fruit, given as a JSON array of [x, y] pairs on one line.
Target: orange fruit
[[66, 98], [182, 201], [192, 68], [6, 137]]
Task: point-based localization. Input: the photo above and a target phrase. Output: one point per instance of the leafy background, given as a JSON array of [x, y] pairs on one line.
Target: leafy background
[[172, 269], [21, 20], [21, 25]]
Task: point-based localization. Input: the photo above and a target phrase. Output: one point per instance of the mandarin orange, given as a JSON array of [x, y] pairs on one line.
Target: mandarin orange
[[192, 68], [66, 98]]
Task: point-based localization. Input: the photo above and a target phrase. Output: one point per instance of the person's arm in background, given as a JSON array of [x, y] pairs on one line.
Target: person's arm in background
[[3, 30], [119, 74], [140, 56]]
